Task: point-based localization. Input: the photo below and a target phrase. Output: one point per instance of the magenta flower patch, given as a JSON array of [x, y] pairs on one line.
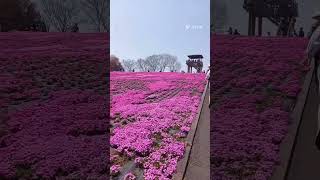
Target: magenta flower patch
[[151, 113], [53, 119], [255, 83]]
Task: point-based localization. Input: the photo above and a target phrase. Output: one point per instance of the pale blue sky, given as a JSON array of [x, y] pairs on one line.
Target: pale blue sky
[[140, 28]]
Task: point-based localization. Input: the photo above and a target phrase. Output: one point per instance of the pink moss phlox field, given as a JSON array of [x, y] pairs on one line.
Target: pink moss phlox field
[[45, 137], [149, 112], [53, 119], [254, 87]]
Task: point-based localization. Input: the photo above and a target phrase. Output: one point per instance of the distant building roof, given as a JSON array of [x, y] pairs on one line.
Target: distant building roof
[[195, 56]]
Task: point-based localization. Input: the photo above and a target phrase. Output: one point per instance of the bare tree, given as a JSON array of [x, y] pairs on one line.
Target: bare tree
[[96, 11], [141, 64], [159, 62], [106, 18], [61, 14], [218, 18], [164, 61], [153, 62], [129, 64], [174, 65], [177, 66]]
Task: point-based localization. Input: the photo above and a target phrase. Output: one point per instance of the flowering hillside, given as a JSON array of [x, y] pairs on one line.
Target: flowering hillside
[[151, 115], [254, 87], [53, 119]]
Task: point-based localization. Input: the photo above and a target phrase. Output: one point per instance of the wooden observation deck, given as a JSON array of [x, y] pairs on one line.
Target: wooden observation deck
[[195, 61]]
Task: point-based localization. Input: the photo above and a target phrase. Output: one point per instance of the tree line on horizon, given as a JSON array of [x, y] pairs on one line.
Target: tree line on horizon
[[153, 63], [53, 15]]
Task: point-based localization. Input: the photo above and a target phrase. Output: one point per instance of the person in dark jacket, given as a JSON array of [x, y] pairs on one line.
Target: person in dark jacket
[[236, 32], [301, 32], [230, 31], [75, 28]]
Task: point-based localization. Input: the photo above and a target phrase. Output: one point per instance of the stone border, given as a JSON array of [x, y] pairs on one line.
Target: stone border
[[288, 144], [182, 164]]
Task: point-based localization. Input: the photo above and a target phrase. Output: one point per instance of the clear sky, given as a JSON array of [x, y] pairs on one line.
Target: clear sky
[[140, 28]]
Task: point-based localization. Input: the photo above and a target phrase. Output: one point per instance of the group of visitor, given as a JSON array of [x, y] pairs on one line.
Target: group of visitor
[[294, 33], [233, 32], [301, 32], [194, 61]]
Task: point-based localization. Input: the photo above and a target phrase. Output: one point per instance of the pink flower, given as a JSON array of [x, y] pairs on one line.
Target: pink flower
[[185, 129], [115, 170], [130, 176]]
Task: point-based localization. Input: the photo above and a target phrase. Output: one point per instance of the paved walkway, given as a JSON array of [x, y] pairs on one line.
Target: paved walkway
[[198, 166], [306, 157]]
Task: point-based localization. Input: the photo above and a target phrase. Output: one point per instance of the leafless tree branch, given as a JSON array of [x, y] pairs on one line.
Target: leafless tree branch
[[96, 11], [61, 14]]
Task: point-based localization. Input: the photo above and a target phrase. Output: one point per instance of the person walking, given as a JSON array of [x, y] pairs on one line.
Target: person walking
[[208, 73], [208, 79], [230, 31], [236, 32], [315, 24], [313, 52], [301, 32], [291, 30], [75, 28], [314, 41], [313, 27]]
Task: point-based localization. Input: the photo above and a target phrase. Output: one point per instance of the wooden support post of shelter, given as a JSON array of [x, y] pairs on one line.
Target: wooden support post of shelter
[[260, 26], [250, 24], [254, 19], [278, 12]]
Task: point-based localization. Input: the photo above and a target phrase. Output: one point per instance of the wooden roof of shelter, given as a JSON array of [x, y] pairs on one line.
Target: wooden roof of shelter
[[197, 56], [272, 8]]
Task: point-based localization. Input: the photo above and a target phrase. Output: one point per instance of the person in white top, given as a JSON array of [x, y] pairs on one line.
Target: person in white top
[[208, 78], [313, 52], [208, 73]]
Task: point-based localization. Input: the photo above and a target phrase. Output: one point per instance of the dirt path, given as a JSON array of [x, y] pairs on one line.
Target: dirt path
[[306, 157], [199, 163]]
